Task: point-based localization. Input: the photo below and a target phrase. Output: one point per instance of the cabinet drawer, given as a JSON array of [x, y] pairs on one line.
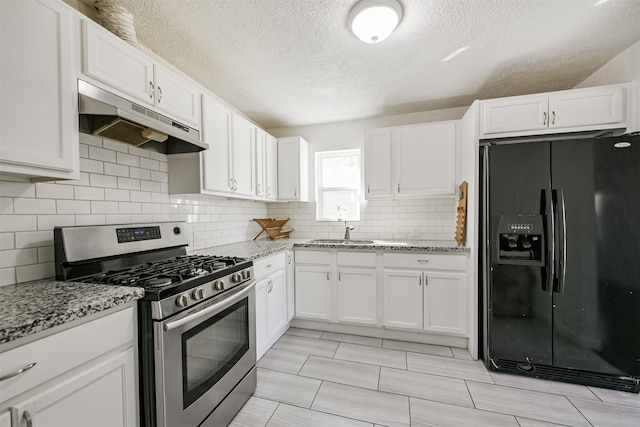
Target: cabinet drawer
[[357, 259], [61, 352], [265, 266], [425, 261], [313, 257]]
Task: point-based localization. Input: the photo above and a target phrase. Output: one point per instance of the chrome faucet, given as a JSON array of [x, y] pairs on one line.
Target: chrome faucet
[[347, 229]]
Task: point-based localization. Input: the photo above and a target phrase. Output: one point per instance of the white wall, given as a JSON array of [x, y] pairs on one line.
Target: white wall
[[424, 219], [119, 184]]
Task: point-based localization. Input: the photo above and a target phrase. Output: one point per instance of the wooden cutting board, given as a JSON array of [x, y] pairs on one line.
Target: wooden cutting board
[[461, 222]]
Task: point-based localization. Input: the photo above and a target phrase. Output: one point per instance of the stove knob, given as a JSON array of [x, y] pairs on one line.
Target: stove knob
[[236, 277], [219, 285], [197, 294], [182, 300], [246, 274]]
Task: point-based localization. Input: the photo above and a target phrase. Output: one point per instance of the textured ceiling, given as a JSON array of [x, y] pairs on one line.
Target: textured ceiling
[[294, 62]]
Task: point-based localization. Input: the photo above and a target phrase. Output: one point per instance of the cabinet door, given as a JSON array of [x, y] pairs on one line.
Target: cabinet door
[[176, 96], [262, 338], [519, 113], [357, 296], [276, 304], [5, 419], [243, 157], [402, 299], [377, 163], [271, 165], [216, 131], [103, 394], [38, 81], [288, 169], [261, 163], [445, 302], [291, 303], [313, 292], [425, 159], [586, 107], [113, 61]]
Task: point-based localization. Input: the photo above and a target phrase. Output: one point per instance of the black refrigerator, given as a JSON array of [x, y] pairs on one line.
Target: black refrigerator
[[560, 259]]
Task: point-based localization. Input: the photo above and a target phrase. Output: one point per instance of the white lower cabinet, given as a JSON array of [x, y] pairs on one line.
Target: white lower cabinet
[[425, 292], [271, 301], [5, 419], [357, 296], [313, 292], [291, 274], [84, 375], [402, 299], [101, 395]]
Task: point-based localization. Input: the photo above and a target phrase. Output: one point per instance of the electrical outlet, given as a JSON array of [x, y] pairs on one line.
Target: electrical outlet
[[415, 234]]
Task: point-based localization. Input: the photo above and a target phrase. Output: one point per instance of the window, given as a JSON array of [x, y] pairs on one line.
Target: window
[[338, 182]]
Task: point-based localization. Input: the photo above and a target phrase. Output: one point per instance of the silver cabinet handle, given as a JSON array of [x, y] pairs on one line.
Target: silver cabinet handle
[[368, 189], [288, 259], [27, 418], [426, 281], [259, 188], [18, 372], [339, 276], [423, 261], [544, 118], [419, 280], [152, 90], [159, 94], [553, 119], [327, 275], [268, 265], [295, 192], [270, 286], [398, 187]]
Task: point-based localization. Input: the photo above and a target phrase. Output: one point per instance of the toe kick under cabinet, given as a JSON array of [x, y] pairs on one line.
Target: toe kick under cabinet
[[425, 292]]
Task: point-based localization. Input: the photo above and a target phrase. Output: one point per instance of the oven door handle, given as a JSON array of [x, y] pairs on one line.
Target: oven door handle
[[232, 299]]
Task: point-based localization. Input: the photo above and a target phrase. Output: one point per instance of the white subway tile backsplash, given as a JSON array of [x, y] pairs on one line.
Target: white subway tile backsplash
[[129, 208], [91, 166], [129, 183], [6, 206], [158, 156], [116, 170], [105, 181], [149, 186], [33, 239], [45, 254], [48, 222], [159, 176], [150, 164], [7, 276], [16, 257], [140, 196], [88, 139], [34, 206], [98, 207], [116, 195], [73, 207], [142, 153], [151, 208], [88, 193], [7, 241], [93, 219], [115, 145], [97, 153], [17, 223], [83, 151], [53, 191], [17, 189], [127, 159], [118, 219], [139, 173], [35, 272]]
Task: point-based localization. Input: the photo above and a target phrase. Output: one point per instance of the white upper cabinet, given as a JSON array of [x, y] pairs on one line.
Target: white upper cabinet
[[39, 101], [425, 159], [293, 169], [377, 160], [243, 156], [266, 165], [567, 111], [124, 68], [411, 161], [216, 131]]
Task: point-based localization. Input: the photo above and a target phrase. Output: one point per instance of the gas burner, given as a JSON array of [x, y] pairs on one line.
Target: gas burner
[[159, 282]]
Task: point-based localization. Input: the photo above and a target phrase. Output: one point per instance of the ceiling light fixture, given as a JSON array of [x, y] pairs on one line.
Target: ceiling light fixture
[[374, 20]]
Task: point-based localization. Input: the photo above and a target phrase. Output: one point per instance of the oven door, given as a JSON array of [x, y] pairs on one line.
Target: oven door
[[202, 354]]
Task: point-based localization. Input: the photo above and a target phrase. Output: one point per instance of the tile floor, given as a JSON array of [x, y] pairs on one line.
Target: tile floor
[[322, 379]]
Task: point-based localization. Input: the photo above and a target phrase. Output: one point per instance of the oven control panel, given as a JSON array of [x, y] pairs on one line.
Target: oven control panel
[[135, 234]]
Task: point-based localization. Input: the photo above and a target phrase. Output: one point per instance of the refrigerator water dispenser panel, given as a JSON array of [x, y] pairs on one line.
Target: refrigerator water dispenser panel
[[518, 240]]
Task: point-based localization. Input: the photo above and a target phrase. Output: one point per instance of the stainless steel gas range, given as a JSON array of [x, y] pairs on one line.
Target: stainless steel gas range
[[196, 320]]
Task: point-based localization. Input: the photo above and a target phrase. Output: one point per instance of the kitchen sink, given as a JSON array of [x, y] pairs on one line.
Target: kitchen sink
[[342, 241]]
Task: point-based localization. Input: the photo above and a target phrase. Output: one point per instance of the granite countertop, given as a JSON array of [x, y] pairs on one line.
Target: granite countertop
[[254, 249], [32, 307]]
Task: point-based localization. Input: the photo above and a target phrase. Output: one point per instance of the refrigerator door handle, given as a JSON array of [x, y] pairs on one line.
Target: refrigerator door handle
[[551, 241], [562, 244]]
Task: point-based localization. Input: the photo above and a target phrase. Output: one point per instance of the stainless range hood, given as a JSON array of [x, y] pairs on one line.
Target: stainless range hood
[[105, 114]]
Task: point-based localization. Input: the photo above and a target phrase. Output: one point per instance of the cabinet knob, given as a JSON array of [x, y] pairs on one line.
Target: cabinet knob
[[553, 117], [159, 94], [544, 118], [152, 90]]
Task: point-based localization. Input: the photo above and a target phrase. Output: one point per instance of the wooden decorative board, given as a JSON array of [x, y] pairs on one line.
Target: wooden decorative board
[[273, 227], [461, 222]]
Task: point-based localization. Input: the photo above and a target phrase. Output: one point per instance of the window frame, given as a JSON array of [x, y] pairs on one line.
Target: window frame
[[321, 189]]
